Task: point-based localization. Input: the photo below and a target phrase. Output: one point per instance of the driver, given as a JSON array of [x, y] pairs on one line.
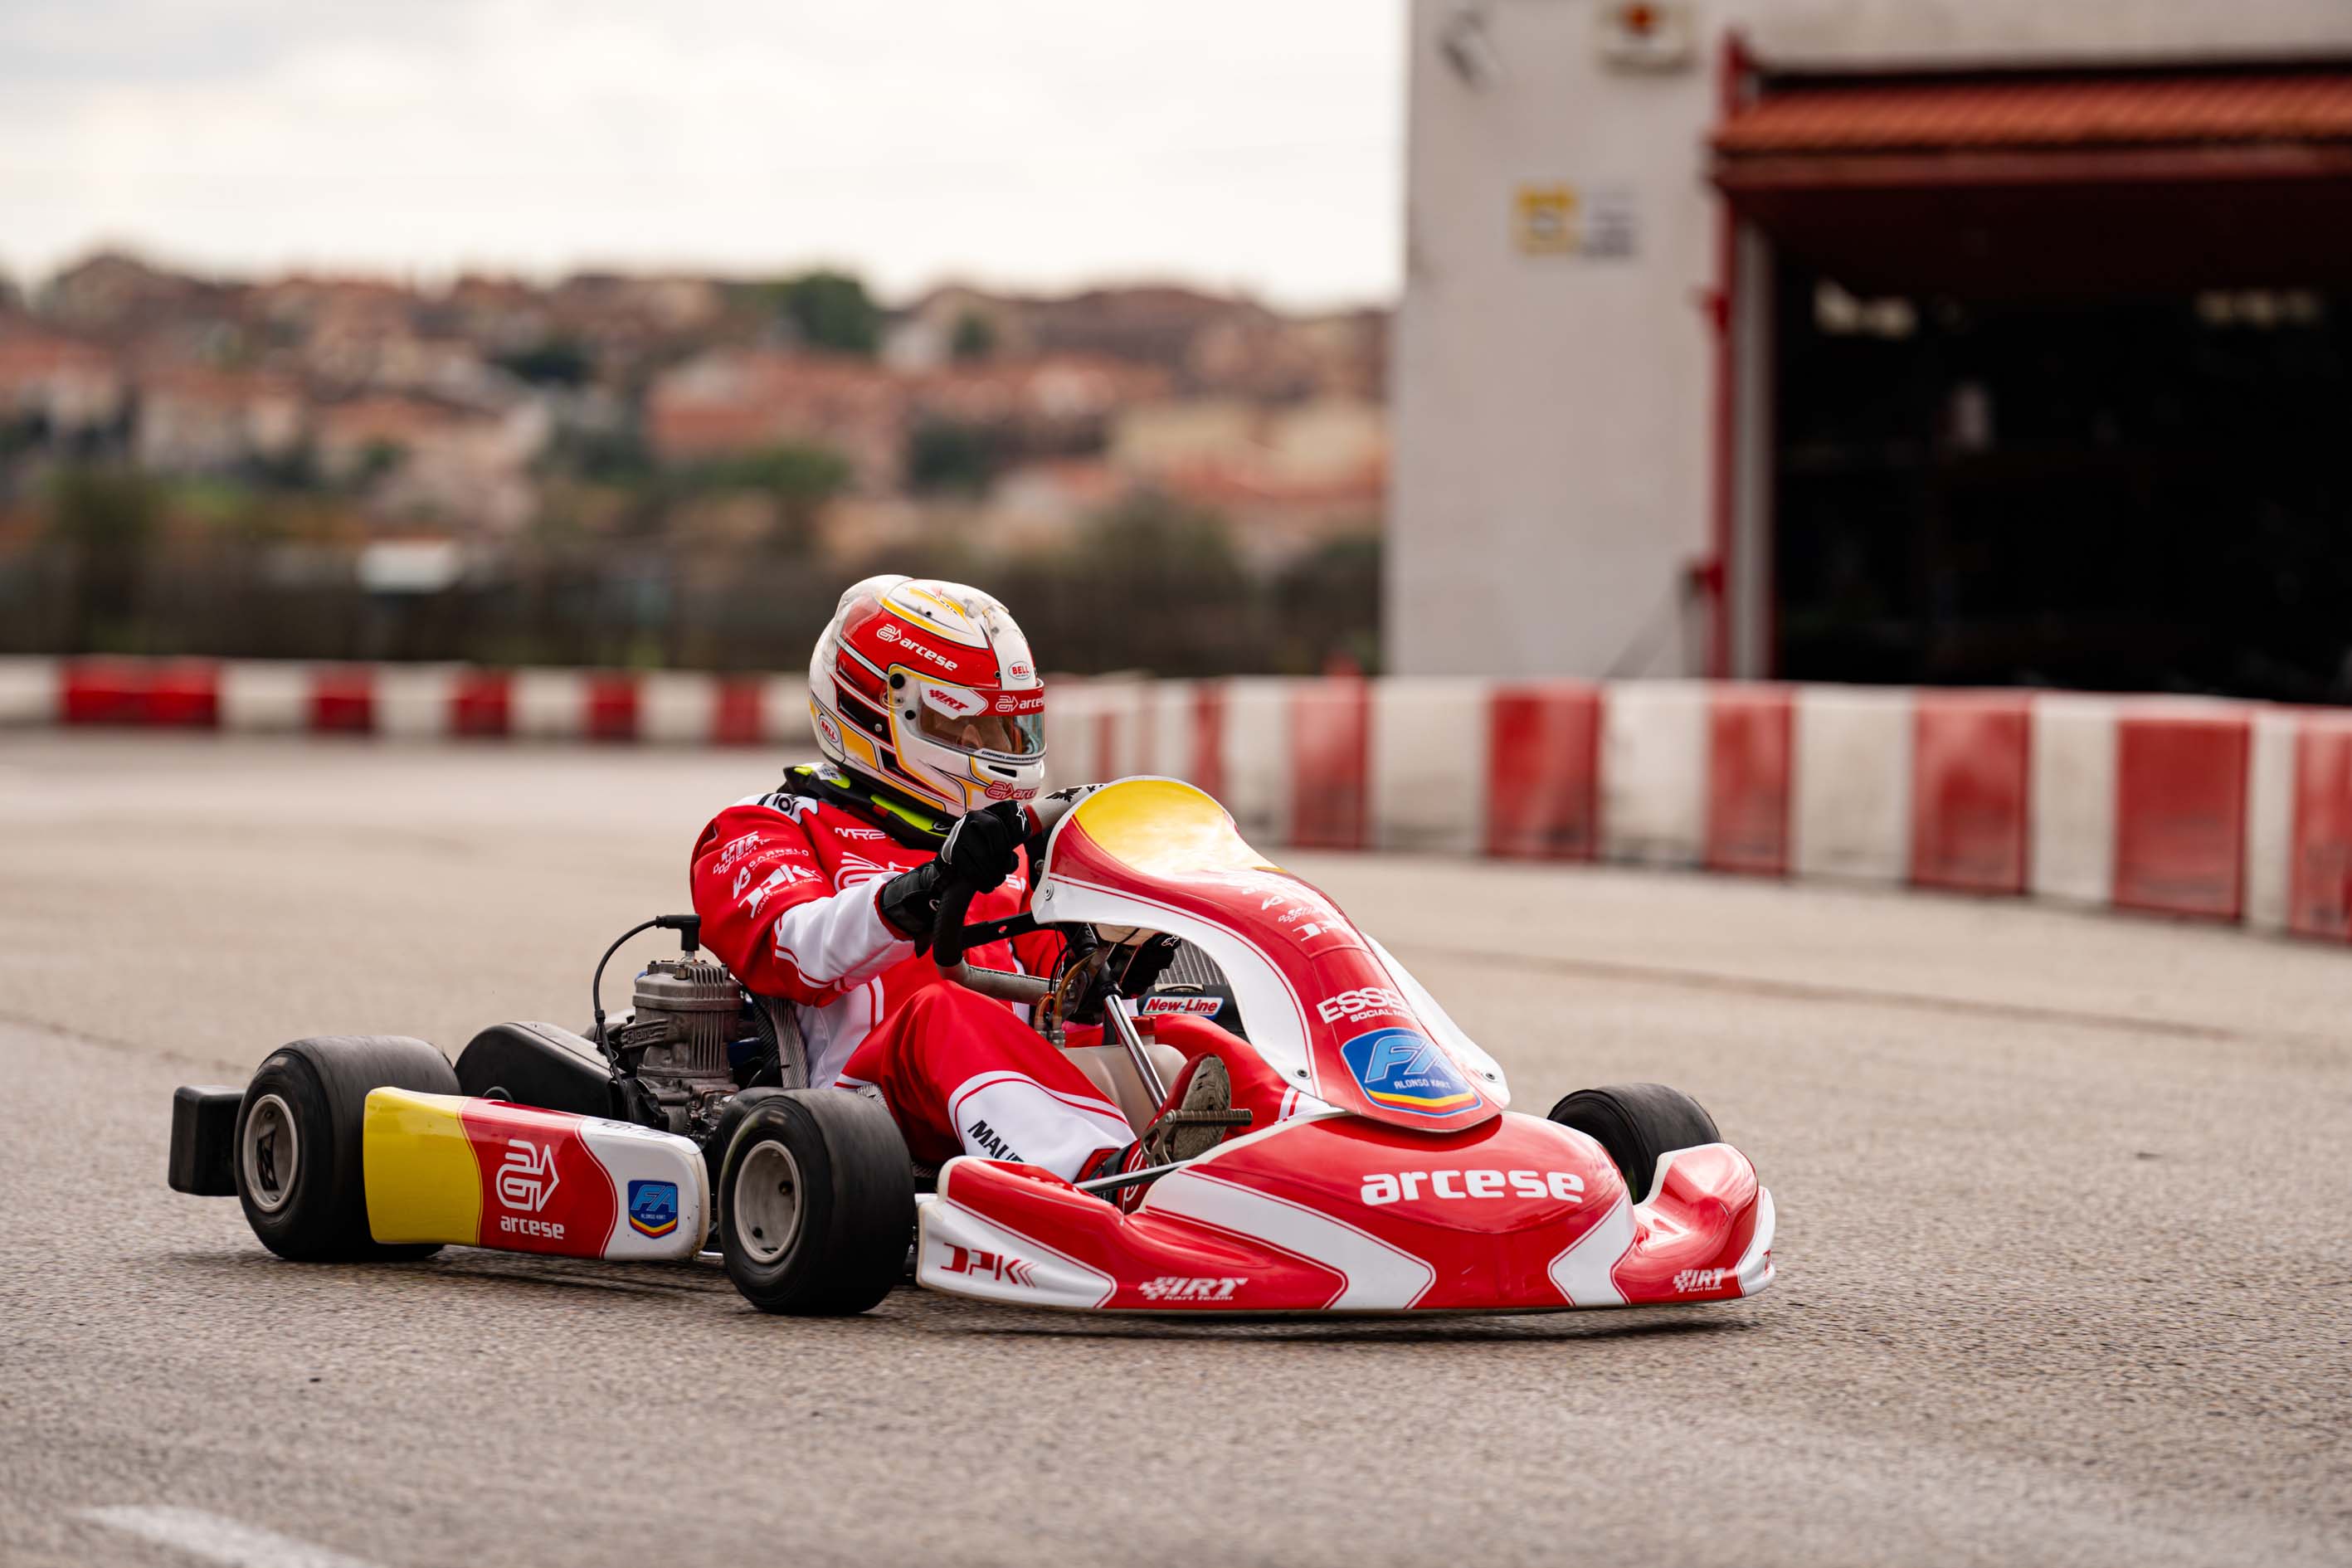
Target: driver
[[930, 716]]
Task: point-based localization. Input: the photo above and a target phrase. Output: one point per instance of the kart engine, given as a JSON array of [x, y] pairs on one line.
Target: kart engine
[[687, 1011]]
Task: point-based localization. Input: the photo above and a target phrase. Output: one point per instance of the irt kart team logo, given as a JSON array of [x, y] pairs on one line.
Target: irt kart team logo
[[653, 1207], [1404, 1071]]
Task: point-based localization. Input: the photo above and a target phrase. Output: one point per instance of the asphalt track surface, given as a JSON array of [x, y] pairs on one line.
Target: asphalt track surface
[[2065, 1274]]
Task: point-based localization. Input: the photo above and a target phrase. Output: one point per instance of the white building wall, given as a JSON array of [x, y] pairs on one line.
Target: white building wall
[[1554, 438]]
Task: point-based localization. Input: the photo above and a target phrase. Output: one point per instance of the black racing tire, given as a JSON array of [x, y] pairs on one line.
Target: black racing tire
[[714, 1151], [1636, 1122], [818, 1202], [317, 1090]]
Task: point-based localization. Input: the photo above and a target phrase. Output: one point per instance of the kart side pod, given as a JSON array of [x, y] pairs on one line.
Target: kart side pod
[[486, 1173]]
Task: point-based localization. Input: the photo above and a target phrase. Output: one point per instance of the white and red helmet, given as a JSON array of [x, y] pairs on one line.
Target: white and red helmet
[[929, 688]]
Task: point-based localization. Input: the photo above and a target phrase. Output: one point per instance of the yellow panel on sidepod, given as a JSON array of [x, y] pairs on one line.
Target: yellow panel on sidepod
[[1164, 828], [422, 1182]]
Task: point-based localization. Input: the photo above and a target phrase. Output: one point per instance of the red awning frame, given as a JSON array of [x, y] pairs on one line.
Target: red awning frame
[[2014, 130]]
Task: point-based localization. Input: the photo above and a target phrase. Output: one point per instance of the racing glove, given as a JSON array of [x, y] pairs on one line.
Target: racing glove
[[982, 848], [1134, 968]]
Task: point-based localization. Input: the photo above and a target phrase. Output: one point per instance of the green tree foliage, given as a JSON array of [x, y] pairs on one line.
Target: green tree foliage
[[553, 362], [945, 457], [831, 311], [793, 471], [801, 477], [1150, 583], [105, 518], [974, 339]]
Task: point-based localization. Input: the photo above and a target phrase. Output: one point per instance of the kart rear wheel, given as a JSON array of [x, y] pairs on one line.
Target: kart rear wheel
[[1636, 1122], [817, 1201], [714, 1153], [297, 1151]]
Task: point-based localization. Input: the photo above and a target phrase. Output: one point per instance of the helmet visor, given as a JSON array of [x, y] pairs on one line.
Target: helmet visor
[[1008, 734]]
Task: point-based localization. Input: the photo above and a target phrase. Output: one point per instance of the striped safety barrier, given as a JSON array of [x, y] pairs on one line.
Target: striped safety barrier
[[2198, 808]]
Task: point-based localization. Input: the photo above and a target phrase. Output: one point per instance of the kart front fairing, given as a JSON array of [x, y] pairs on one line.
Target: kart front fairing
[[1329, 1008], [1396, 1182]]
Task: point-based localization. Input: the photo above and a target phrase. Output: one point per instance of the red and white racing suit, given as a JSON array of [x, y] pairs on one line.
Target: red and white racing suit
[[786, 886]]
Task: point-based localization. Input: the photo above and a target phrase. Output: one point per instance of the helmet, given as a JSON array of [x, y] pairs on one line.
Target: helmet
[[929, 688]]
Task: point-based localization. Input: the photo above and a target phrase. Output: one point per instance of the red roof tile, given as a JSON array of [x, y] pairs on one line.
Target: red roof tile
[[2109, 111]]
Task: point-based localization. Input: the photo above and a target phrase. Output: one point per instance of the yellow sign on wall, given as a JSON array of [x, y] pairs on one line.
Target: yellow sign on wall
[[1553, 218]]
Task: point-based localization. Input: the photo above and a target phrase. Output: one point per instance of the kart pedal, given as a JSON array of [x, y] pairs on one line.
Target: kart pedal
[[1198, 1119]]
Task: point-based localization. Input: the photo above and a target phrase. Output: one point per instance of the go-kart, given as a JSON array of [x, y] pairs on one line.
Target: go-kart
[[1396, 1179]]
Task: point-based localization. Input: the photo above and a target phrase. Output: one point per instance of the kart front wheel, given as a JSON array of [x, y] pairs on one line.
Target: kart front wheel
[[816, 1203], [297, 1153], [1636, 1122]]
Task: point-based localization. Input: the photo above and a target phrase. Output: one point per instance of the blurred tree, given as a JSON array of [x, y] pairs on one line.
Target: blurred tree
[[974, 339], [106, 520], [831, 311], [377, 459], [602, 456], [1325, 606], [799, 476], [943, 456], [1151, 583], [552, 362], [296, 468]]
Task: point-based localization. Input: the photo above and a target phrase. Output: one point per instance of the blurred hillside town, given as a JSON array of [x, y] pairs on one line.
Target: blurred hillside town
[[677, 470]]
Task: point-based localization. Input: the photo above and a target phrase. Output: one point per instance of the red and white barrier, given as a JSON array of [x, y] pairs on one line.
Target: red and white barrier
[[2193, 808], [406, 701]]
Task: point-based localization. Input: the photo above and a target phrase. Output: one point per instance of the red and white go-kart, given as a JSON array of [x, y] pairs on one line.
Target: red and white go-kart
[[1396, 1181]]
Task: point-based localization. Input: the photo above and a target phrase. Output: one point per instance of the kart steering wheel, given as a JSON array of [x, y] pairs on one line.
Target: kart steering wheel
[[951, 937]]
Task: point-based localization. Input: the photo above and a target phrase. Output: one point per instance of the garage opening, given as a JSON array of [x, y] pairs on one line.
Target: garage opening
[[2060, 377]]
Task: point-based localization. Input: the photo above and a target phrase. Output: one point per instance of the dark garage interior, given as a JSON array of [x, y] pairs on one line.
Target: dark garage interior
[[2061, 389]]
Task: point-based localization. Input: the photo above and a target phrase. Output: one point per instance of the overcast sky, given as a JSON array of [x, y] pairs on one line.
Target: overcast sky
[[1027, 142]]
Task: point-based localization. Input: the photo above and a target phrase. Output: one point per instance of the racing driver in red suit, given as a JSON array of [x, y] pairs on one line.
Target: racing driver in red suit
[[930, 716]]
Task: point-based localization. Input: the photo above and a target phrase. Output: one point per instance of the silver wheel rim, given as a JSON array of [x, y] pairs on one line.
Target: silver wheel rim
[[269, 1155], [767, 1202]]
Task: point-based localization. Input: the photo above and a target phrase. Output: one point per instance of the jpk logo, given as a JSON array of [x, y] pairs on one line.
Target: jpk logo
[[527, 1177], [1181, 1287], [653, 1207], [1405, 1071], [779, 878], [1359, 1005], [988, 1266]]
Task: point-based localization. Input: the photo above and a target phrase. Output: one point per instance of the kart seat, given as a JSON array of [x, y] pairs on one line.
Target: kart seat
[[1110, 1071]]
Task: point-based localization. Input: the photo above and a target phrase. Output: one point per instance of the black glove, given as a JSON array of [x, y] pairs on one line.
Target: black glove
[[1132, 968], [984, 847], [981, 849], [1149, 961]]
